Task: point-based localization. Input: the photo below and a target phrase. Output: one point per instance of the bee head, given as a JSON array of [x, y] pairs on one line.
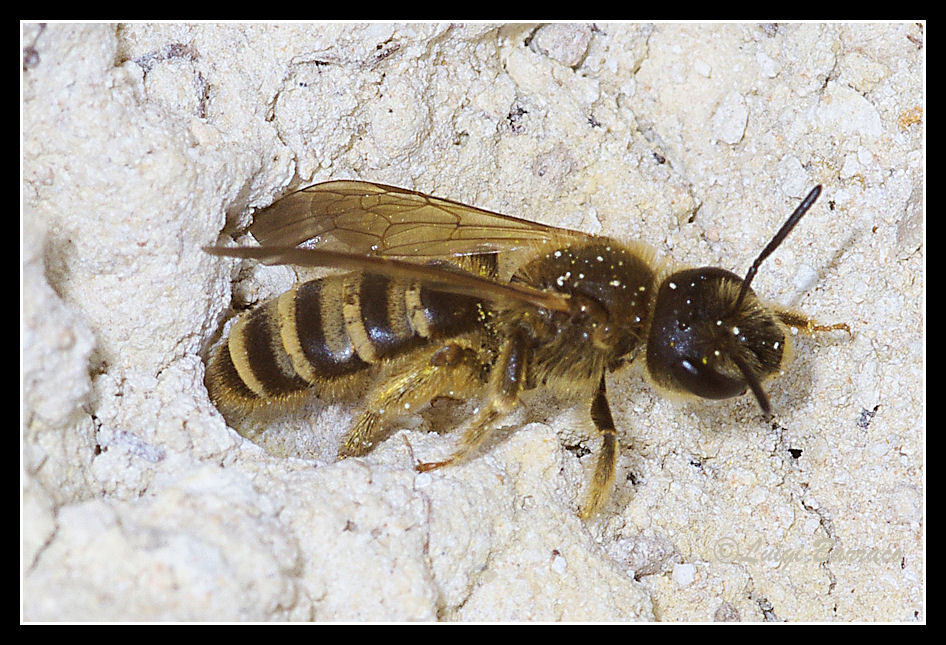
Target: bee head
[[709, 339], [710, 336]]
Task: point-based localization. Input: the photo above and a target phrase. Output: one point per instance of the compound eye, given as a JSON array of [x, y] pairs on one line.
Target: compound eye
[[698, 376]]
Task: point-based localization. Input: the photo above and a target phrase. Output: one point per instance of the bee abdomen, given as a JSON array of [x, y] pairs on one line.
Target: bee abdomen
[[288, 346], [314, 332], [323, 334], [377, 316]]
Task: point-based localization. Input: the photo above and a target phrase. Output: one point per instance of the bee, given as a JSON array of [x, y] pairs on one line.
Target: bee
[[441, 299]]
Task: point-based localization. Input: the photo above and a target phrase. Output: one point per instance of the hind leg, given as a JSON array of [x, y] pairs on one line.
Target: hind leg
[[507, 379], [453, 370]]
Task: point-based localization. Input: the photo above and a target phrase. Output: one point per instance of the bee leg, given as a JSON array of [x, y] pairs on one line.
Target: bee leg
[[452, 370], [603, 479], [806, 325], [507, 379]]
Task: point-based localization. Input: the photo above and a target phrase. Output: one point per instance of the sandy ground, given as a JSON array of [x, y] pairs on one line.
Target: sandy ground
[[141, 143]]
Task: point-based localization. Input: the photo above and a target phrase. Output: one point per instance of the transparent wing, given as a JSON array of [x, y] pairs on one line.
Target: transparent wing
[[439, 277], [367, 218]]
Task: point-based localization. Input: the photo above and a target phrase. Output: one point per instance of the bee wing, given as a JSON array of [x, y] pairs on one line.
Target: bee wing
[[435, 277], [374, 219]]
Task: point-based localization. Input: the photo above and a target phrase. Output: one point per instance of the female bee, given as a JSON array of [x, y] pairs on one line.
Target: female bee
[[425, 312]]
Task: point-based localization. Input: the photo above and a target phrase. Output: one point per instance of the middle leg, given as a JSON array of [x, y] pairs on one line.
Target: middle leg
[[603, 479]]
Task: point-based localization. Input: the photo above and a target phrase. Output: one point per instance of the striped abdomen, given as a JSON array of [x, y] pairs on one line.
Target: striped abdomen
[[323, 334]]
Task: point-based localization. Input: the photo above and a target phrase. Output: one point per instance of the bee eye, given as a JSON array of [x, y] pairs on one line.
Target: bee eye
[[694, 375]]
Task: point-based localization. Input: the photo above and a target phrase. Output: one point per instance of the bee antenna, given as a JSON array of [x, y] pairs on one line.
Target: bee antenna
[[775, 242], [754, 385]]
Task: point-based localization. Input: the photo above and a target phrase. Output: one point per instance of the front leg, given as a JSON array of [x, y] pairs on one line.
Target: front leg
[[806, 325], [507, 379], [603, 480]]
